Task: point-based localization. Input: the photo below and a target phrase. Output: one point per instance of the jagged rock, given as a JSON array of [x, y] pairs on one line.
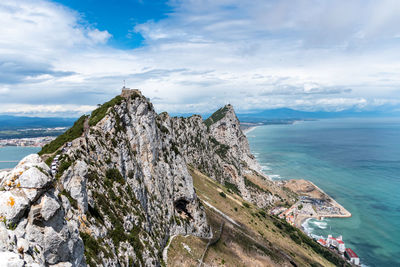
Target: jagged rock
[[62, 264], [76, 184], [34, 178], [124, 186], [49, 207], [22, 245], [36, 213], [3, 237], [13, 205], [10, 259]]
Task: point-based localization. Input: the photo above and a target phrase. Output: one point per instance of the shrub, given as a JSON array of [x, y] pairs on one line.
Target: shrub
[[72, 133], [115, 175], [73, 202], [216, 116], [262, 213], [232, 187], [99, 113], [175, 149], [64, 165], [249, 183], [246, 205], [222, 194], [221, 150], [91, 248]]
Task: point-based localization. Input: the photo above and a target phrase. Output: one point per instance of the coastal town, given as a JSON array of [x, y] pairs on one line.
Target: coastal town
[[27, 142], [315, 203]]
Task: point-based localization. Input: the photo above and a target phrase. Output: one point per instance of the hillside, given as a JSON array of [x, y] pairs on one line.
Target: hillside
[[249, 236], [128, 179]]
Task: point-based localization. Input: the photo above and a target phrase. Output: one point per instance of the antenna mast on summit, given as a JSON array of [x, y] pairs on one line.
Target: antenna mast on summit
[[124, 83]]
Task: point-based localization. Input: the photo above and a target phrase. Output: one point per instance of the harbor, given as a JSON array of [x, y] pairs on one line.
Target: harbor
[[315, 203]]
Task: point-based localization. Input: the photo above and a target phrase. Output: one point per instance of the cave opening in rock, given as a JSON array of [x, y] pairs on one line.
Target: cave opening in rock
[[181, 208]]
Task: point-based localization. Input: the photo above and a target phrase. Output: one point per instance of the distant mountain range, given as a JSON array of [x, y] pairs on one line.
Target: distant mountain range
[[8, 122], [280, 115], [291, 114]]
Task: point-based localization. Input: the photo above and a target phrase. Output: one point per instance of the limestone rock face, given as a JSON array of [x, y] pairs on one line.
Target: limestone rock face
[[122, 187], [218, 148], [33, 230]]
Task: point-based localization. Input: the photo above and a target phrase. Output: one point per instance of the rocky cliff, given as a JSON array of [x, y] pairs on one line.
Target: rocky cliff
[[122, 186]]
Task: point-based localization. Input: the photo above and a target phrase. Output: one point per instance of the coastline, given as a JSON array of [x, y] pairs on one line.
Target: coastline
[[249, 129], [313, 203], [346, 213], [313, 191]]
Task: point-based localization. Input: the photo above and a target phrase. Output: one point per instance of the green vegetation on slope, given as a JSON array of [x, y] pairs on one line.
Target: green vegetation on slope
[[115, 175], [77, 129], [216, 116], [249, 183], [260, 239], [72, 133], [100, 112]]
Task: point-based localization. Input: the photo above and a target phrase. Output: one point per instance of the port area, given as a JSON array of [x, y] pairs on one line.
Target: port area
[[312, 203]]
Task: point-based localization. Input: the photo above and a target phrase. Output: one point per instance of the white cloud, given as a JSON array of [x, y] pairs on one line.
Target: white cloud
[[47, 110], [310, 55]]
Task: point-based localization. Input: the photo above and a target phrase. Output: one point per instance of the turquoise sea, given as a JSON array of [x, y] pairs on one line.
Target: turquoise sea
[[11, 155], [357, 162]]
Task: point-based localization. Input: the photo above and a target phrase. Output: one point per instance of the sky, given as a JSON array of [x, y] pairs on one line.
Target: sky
[[62, 58]]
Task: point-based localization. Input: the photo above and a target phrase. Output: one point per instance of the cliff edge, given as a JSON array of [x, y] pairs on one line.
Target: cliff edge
[[117, 185]]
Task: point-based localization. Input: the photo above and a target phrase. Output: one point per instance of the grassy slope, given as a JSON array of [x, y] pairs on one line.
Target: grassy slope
[[72, 133], [216, 116], [258, 242], [78, 128]]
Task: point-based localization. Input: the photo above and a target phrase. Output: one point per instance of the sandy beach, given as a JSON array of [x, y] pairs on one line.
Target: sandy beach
[[248, 130]]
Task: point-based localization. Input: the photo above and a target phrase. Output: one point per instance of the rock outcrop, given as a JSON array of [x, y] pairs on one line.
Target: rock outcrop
[[122, 187], [33, 227], [218, 148]]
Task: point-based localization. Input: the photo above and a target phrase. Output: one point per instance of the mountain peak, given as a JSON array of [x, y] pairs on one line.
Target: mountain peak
[[121, 184], [127, 92], [220, 114]]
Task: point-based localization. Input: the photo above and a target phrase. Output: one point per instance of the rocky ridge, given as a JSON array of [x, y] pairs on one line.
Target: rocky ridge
[[122, 187]]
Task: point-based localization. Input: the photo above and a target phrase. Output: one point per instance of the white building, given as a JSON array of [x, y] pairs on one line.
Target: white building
[[336, 242], [352, 256], [331, 241], [341, 247], [322, 242]]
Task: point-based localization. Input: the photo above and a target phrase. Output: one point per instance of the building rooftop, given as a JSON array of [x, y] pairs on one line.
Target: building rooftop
[[351, 253], [127, 92]]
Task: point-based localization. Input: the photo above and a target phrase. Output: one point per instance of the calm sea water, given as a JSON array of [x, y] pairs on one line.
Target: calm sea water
[[11, 155], [357, 162]]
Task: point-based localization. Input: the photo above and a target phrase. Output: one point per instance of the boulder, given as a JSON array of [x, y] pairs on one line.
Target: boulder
[[11, 259], [49, 206], [12, 205], [76, 184], [34, 178], [23, 244]]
